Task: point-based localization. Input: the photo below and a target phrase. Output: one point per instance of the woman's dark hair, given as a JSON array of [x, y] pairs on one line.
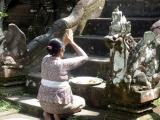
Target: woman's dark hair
[[54, 46]]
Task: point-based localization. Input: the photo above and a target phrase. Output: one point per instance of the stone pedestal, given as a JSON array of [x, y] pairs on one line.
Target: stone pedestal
[[124, 97], [121, 115], [131, 105], [11, 77]]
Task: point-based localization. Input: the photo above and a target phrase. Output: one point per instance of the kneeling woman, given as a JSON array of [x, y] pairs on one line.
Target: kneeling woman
[[55, 94]]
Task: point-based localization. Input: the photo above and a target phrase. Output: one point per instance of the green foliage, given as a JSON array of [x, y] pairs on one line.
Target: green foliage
[[5, 106], [157, 102], [2, 14]]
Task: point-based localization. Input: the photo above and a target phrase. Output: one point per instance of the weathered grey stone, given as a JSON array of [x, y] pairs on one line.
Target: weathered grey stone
[[131, 88], [91, 94], [133, 98], [156, 27], [119, 115], [133, 8], [15, 42]]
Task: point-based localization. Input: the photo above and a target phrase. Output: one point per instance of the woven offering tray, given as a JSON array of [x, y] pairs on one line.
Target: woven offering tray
[[85, 80]]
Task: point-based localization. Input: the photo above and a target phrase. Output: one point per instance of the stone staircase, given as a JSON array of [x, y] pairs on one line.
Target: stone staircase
[[133, 8], [98, 65], [92, 41], [100, 26]]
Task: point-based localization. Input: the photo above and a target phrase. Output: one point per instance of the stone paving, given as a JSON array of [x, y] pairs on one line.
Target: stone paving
[[14, 115], [31, 106], [92, 114]]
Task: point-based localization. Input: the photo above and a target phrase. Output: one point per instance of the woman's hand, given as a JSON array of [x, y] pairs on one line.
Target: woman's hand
[[65, 41], [68, 38]]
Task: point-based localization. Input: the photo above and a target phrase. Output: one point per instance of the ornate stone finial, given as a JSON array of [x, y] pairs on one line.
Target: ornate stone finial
[[117, 9], [119, 24], [116, 15]]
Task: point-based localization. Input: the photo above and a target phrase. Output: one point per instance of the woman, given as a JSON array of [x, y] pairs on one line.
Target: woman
[[55, 93]]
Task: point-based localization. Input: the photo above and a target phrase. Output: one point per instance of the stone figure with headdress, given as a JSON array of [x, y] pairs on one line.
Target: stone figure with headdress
[[120, 41]]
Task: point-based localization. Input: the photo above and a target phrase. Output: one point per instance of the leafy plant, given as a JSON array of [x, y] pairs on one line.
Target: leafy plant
[[5, 106], [2, 14], [157, 102]]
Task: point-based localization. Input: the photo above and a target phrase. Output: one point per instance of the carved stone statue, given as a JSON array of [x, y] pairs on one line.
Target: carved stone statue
[[133, 64], [121, 43], [134, 77], [143, 62], [15, 41]]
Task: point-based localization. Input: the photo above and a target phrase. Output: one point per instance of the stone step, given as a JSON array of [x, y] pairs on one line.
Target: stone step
[[96, 66], [13, 83], [30, 105], [14, 115], [91, 58], [133, 8], [92, 45], [6, 113], [12, 90], [100, 26]]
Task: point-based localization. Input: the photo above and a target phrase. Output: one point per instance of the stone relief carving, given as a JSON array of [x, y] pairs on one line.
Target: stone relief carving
[[134, 64], [156, 29], [143, 63], [15, 41]]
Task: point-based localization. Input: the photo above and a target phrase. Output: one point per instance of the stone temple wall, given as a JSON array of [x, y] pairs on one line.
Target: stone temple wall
[[133, 8]]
